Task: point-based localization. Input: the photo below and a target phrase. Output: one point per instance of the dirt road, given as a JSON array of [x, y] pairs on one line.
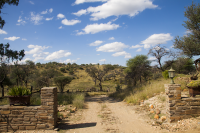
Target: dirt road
[[103, 114]]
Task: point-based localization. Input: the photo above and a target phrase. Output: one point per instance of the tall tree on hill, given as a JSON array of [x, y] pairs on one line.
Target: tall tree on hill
[[159, 52], [137, 68], [98, 73], [190, 43]]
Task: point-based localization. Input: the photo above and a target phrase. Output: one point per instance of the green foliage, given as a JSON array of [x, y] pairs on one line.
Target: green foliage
[[137, 67], [190, 44], [194, 83], [165, 74], [61, 81], [78, 101], [62, 70], [13, 2], [19, 91], [65, 98], [81, 68], [35, 99], [71, 72], [118, 88]]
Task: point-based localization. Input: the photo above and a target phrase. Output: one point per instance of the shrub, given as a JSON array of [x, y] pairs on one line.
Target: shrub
[[81, 68], [78, 101], [118, 88], [19, 91], [165, 74], [62, 70], [61, 81], [71, 72], [64, 99], [194, 83]]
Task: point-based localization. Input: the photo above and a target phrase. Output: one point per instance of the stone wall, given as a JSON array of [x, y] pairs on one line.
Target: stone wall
[[31, 117], [178, 107]]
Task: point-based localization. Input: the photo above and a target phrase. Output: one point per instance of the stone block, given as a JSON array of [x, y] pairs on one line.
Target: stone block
[[172, 108], [26, 118], [43, 117], [180, 104], [42, 114], [195, 103], [30, 127], [40, 126], [22, 128], [15, 127], [29, 113], [33, 119], [4, 112], [178, 88], [195, 107]]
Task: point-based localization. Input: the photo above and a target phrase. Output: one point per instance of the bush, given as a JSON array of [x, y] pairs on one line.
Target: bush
[[118, 88], [81, 68], [64, 99], [78, 101], [157, 75], [61, 81], [165, 74], [19, 91], [71, 72], [62, 70]]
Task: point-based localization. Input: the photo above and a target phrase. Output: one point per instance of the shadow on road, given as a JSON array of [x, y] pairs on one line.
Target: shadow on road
[[65, 126], [100, 98]]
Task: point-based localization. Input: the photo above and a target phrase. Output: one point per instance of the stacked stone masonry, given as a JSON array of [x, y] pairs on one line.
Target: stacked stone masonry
[[178, 107], [31, 117]]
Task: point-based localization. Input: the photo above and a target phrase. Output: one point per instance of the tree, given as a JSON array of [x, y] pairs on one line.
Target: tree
[[159, 52], [6, 55], [61, 81], [190, 44], [2, 2], [98, 73], [137, 68]]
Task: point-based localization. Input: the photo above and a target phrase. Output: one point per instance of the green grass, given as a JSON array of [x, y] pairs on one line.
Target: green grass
[[78, 100]]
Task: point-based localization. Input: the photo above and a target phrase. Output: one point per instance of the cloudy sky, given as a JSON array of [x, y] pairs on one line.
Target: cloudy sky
[[91, 31]]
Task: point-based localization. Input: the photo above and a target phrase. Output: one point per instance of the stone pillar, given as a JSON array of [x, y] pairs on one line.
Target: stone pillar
[[50, 105], [173, 92]]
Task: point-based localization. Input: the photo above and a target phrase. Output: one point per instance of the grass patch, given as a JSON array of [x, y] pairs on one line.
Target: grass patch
[[4, 101], [35, 99], [162, 98], [141, 92], [78, 100]]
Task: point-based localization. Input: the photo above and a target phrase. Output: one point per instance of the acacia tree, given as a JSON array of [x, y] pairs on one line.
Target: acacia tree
[[98, 73], [159, 52], [190, 44], [6, 55], [62, 81], [137, 68]]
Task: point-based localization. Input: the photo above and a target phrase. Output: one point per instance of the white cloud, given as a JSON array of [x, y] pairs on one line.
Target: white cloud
[[188, 32], [98, 54], [12, 38], [51, 10], [111, 38], [118, 7], [70, 22], [96, 43], [20, 21], [138, 50], [94, 63], [57, 55], [83, 1], [23, 61], [102, 60], [122, 53], [152, 58], [136, 46], [39, 56], [36, 18], [60, 27], [3, 32], [95, 28], [60, 16], [24, 39], [47, 19], [71, 61], [80, 12], [35, 49], [31, 2], [44, 12], [112, 47], [156, 39]]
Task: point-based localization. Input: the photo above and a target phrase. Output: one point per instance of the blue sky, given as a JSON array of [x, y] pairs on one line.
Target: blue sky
[[91, 31]]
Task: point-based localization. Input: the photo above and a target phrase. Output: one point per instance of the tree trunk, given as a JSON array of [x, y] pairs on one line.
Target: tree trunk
[[100, 86], [2, 92]]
